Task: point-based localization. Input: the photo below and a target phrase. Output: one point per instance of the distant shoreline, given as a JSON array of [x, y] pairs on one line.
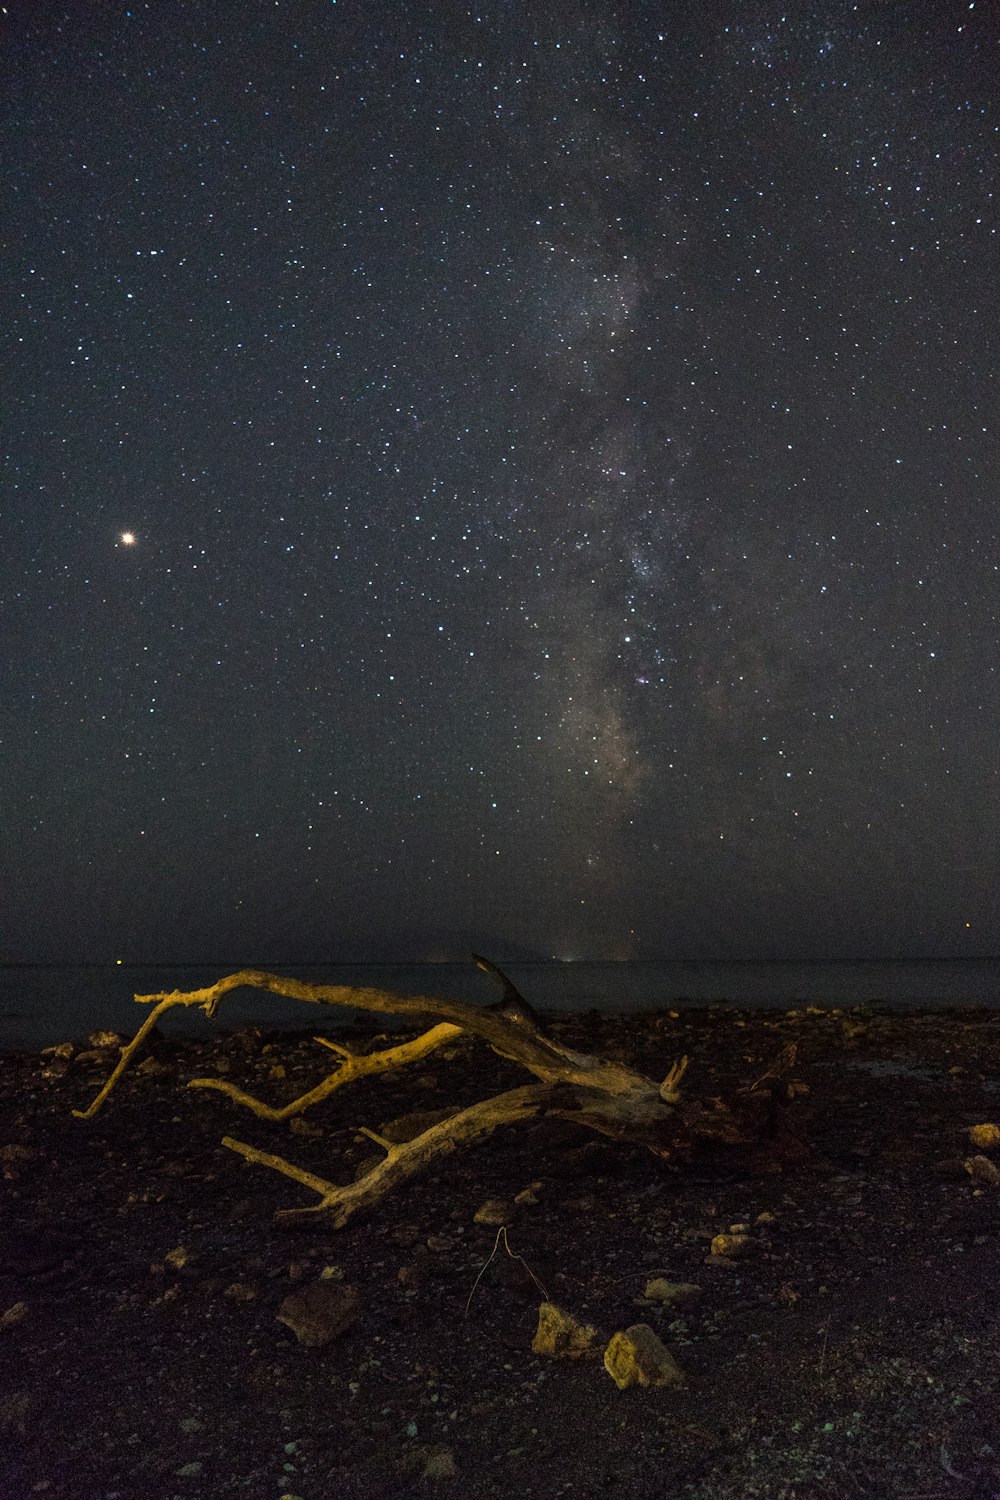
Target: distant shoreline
[[42, 1004], [232, 965]]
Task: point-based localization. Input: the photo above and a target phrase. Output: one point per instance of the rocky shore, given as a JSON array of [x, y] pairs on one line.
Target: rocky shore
[[546, 1314]]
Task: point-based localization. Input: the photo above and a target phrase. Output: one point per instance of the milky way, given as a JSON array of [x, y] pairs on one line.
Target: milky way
[[559, 451]]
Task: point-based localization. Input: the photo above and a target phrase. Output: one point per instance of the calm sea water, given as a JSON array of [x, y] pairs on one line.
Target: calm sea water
[[41, 1006]]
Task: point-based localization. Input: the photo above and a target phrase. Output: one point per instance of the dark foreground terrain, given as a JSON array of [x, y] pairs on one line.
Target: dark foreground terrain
[[853, 1352]]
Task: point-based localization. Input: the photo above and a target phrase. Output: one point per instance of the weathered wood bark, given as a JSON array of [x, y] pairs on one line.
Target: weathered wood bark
[[595, 1092]]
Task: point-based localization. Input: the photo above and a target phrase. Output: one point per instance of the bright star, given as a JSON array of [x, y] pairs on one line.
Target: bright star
[[128, 538]]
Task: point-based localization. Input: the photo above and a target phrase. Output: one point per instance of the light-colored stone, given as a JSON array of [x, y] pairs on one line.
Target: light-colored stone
[[440, 1464], [560, 1335], [320, 1311], [986, 1137], [981, 1169], [105, 1039], [494, 1211], [61, 1049], [671, 1293], [732, 1246], [151, 1068], [638, 1357], [14, 1314], [177, 1258]]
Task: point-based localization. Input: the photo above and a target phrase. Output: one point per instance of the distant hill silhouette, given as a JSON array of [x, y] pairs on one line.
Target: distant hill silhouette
[[423, 947]]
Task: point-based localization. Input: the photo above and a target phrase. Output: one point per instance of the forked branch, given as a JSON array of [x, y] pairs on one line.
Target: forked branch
[[403, 1160], [354, 1066]]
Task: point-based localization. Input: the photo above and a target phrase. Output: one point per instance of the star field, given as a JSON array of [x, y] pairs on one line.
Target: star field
[[515, 476]]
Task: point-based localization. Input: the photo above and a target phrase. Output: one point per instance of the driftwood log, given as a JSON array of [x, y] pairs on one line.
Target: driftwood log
[[594, 1092]]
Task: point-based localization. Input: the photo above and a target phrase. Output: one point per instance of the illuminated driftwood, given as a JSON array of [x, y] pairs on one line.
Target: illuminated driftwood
[[351, 1068], [405, 1160], [595, 1092]]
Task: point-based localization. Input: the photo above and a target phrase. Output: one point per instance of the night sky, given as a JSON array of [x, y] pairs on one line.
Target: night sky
[[520, 477]]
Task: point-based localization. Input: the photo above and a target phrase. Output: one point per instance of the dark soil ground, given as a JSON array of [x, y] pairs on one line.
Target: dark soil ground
[[854, 1353]]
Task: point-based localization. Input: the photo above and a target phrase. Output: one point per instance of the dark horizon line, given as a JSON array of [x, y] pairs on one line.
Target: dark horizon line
[[440, 963]]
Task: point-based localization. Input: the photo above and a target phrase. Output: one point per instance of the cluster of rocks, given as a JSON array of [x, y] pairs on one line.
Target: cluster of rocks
[[980, 1168], [326, 1307]]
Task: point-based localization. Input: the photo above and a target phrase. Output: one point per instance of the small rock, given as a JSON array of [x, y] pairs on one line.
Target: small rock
[[300, 1126], [981, 1169], [948, 1166], [15, 1414], [529, 1195], [61, 1049], [14, 1315], [410, 1125], [189, 1471], [731, 1246], [494, 1211], [638, 1357], [986, 1137], [14, 1159], [440, 1464], [561, 1335], [240, 1291], [584, 1203], [176, 1169], [191, 1425], [438, 1244], [671, 1293], [177, 1258], [106, 1039], [150, 1068], [585, 1160], [320, 1311]]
